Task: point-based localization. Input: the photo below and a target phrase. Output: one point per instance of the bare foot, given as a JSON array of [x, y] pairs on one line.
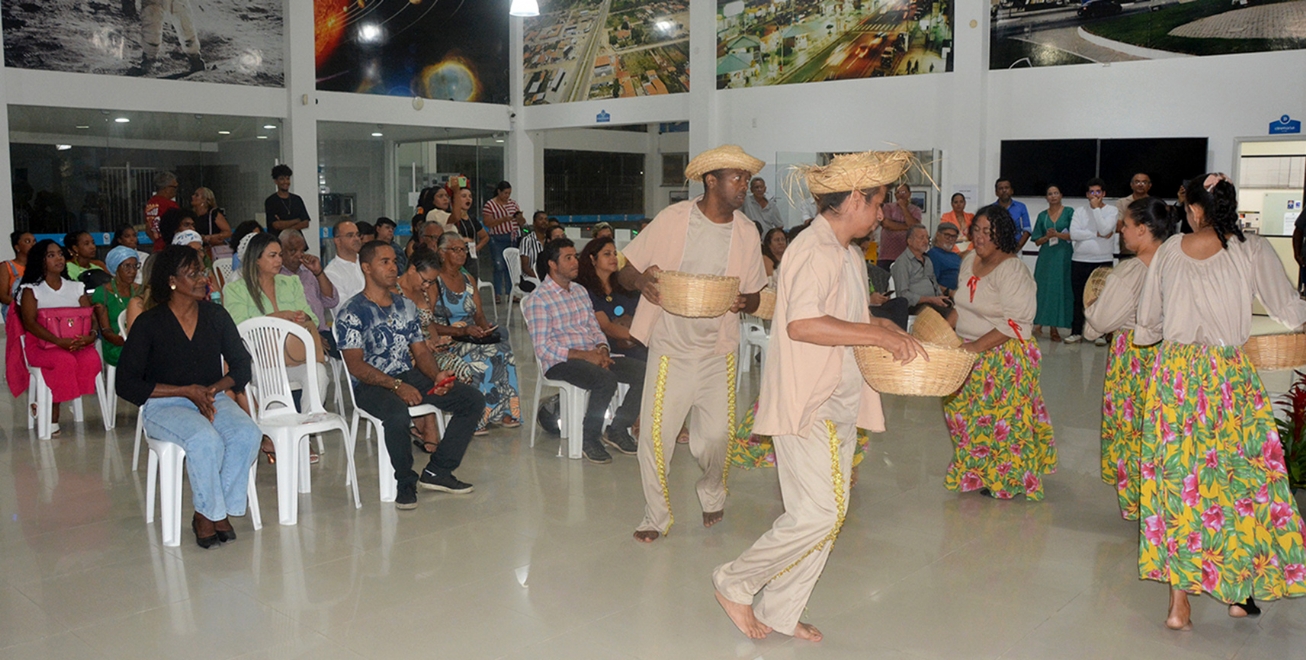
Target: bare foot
[[713, 517], [1180, 612], [646, 536], [743, 618], [808, 632], [683, 438]]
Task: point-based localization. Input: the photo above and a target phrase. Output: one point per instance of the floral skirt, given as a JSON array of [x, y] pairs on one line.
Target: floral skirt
[[494, 371], [753, 451], [1128, 370], [1000, 426], [1216, 512]]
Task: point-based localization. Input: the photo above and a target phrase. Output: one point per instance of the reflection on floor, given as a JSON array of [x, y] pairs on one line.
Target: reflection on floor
[[539, 561]]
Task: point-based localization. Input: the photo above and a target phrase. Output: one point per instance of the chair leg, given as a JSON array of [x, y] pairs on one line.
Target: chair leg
[[305, 477], [576, 435], [31, 401], [351, 468], [111, 394], [287, 481], [136, 445], [385, 472], [151, 484], [79, 415], [102, 397], [535, 411], [251, 497]]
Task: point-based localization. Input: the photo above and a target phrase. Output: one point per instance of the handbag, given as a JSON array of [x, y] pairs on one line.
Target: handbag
[[64, 323], [492, 338]]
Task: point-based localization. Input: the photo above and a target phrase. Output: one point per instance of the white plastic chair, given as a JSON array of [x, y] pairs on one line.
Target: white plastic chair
[[389, 486], [571, 409], [513, 256], [39, 395], [109, 397], [337, 370], [165, 469], [274, 411], [223, 270], [753, 339]]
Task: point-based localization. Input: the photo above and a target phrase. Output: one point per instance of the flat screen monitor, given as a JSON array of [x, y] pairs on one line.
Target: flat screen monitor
[[1033, 165], [1168, 161]]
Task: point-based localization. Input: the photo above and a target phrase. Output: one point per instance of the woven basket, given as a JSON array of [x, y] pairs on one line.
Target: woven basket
[[1096, 282], [697, 296], [931, 328], [766, 304], [1270, 352], [943, 374]]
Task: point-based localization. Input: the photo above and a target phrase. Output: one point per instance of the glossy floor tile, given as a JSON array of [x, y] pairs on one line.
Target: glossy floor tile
[[538, 562]]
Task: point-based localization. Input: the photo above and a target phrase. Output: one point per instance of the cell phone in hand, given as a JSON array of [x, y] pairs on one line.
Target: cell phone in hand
[[443, 384]]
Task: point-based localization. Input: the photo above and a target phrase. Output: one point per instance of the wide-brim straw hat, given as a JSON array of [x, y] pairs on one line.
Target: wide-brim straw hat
[[725, 157], [860, 171]]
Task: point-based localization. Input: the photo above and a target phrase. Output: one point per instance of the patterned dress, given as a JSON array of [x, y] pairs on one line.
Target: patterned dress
[[1124, 396], [493, 365], [748, 450]]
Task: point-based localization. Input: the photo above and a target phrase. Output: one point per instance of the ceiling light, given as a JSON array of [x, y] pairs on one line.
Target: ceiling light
[[63, 147], [122, 120], [524, 8], [262, 137], [224, 132], [82, 127], [377, 134], [499, 141], [270, 127]]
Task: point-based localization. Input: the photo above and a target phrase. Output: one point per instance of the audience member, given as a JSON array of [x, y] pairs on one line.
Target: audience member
[[284, 209], [958, 215], [882, 304], [774, 243], [945, 258], [12, 270], [899, 216], [415, 284], [468, 227], [614, 305], [172, 366], [238, 236], [430, 238], [1052, 271], [571, 347], [111, 299], [165, 189], [501, 217], [913, 276], [318, 289], [210, 221], [345, 273], [174, 222], [602, 229], [385, 232], [79, 251], [1140, 186], [366, 232], [533, 244], [460, 314], [762, 209], [1093, 232], [386, 354], [1016, 209]]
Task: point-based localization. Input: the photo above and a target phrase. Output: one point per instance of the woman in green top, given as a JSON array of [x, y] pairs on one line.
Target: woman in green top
[[111, 299], [263, 291], [80, 248], [1052, 272]]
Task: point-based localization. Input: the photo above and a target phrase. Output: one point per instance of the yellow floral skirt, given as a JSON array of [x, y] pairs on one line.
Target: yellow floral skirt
[[753, 451], [1128, 370], [1217, 515], [1000, 427]]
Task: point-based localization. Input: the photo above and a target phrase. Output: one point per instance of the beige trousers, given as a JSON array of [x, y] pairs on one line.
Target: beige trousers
[[153, 13], [697, 385], [785, 563]]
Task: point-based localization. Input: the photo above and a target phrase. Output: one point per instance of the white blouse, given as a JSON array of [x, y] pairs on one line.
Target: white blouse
[[994, 302], [69, 294], [1116, 308]]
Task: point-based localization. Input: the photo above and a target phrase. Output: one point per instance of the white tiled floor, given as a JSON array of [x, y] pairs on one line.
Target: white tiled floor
[[539, 562]]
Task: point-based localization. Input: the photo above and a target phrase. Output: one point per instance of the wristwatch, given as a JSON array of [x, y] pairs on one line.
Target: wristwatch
[[398, 383]]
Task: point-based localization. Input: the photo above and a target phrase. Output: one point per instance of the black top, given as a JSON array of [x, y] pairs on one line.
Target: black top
[[158, 352], [207, 224], [469, 227], [291, 208], [620, 309]]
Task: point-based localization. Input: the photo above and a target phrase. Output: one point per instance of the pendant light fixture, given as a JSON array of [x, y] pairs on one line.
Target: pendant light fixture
[[524, 8]]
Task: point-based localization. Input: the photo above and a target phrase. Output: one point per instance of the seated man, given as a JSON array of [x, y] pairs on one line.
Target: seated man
[[572, 348], [883, 306], [913, 275], [321, 294], [344, 272], [386, 354], [947, 263]]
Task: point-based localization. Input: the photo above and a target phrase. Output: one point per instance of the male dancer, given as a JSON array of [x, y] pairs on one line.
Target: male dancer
[[691, 362], [813, 396]]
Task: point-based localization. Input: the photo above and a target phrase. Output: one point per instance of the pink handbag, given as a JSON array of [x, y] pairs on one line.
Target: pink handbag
[[64, 323]]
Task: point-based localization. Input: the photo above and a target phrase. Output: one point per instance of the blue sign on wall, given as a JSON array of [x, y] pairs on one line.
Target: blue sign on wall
[[1285, 125], [603, 117]]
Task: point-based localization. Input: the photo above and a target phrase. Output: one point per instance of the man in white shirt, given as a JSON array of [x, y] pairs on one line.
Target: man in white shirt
[[1093, 234], [343, 271]]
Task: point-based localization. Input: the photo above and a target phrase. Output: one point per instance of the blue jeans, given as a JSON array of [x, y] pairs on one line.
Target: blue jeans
[[502, 281], [218, 454]]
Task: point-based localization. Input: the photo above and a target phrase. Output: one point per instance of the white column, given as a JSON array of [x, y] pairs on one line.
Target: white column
[[519, 147], [965, 162], [299, 143], [704, 132], [6, 181], [653, 171]]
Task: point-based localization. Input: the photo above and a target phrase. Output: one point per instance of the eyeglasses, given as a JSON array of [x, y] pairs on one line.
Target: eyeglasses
[[426, 282], [462, 249], [194, 275], [1095, 193]]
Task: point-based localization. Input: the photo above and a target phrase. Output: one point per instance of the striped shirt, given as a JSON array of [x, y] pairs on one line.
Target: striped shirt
[[493, 210], [531, 249], [559, 320]]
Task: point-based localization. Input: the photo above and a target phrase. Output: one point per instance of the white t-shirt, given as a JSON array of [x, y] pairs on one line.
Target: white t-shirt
[[346, 277], [69, 294]]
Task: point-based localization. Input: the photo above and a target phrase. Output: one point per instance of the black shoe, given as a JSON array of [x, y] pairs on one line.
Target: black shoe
[[196, 63], [225, 535], [406, 499], [595, 453], [445, 483], [205, 542], [620, 440]]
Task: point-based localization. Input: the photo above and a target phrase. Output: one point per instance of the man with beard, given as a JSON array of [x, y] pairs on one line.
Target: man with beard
[[692, 360]]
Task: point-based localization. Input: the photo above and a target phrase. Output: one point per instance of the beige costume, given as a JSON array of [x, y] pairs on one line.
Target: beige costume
[[1209, 301], [1117, 306], [691, 361], [812, 401], [1004, 300]]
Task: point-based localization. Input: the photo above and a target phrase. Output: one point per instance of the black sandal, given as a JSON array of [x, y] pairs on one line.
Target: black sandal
[[420, 442], [1248, 606]]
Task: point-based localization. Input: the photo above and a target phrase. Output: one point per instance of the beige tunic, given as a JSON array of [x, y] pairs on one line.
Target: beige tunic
[[1209, 301], [1116, 308], [993, 302], [705, 245]]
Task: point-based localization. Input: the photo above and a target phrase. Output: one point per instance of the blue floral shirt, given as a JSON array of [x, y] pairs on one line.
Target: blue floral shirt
[[384, 333]]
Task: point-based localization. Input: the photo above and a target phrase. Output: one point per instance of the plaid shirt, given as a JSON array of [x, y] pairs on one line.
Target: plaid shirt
[[559, 320]]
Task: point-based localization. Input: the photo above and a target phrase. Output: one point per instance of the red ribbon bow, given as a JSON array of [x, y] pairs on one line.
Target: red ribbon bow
[[972, 284], [1016, 326]]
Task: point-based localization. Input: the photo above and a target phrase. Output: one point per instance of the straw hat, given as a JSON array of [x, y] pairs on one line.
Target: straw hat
[[725, 157], [869, 169]]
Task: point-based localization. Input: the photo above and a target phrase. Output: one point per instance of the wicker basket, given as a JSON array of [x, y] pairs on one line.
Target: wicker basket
[[765, 304], [1096, 282], [1270, 352], [697, 296], [931, 328], [943, 374]]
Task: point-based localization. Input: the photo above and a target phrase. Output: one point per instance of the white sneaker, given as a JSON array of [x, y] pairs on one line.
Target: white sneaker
[[1100, 341], [1073, 339]]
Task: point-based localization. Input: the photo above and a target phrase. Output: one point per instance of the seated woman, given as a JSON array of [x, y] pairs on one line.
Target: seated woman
[[613, 305], [111, 299], [79, 249], [773, 248], [459, 314], [127, 236], [69, 365], [172, 367], [242, 230], [173, 222], [415, 283], [263, 291], [11, 271]]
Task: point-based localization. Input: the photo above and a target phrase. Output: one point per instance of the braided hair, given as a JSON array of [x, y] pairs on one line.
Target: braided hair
[[1002, 228], [1220, 206]]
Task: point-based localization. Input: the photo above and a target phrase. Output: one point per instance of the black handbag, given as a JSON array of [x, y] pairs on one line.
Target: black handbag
[[492, 338]]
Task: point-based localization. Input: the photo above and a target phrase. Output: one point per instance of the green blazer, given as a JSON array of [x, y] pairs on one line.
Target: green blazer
[[290, 297]]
